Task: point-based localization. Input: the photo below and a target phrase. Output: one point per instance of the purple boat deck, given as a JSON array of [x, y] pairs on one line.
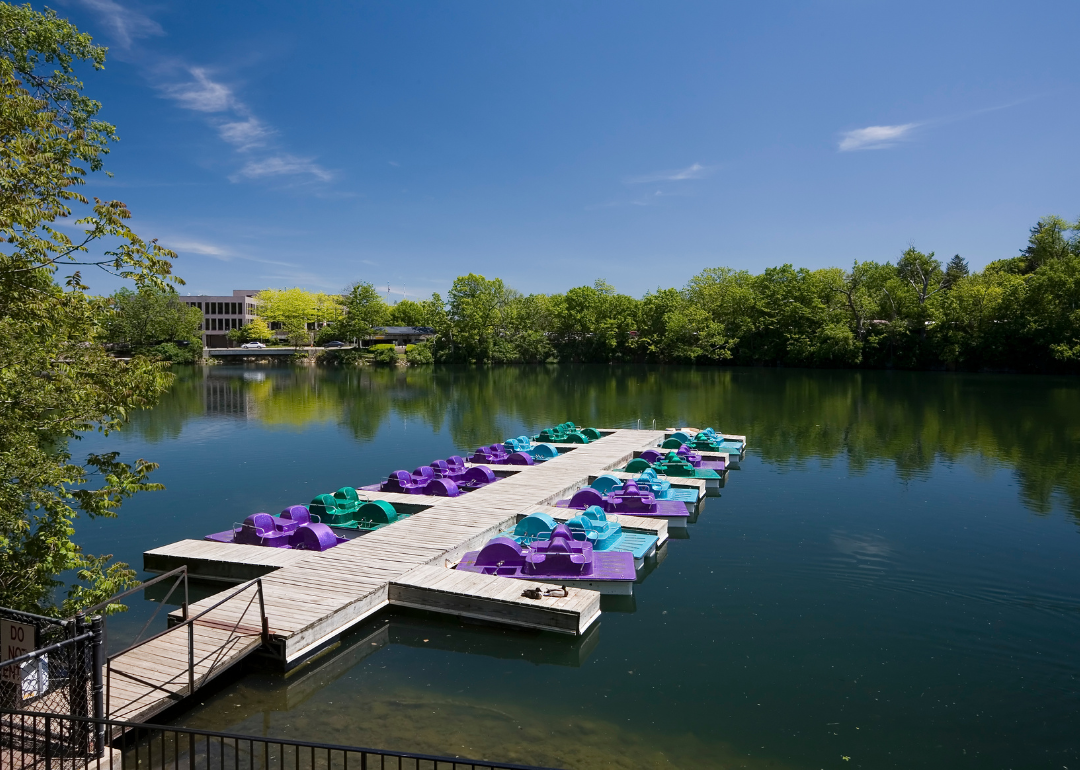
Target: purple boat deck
[[561, 560], [293, 529]]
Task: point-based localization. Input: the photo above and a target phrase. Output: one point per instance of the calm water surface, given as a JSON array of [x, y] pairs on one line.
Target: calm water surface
[[891, 580]]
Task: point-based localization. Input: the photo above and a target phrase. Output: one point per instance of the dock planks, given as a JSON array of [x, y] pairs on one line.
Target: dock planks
[[311, 598]]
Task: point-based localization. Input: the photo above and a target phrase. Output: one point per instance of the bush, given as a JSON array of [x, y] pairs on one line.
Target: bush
[[418, 355], [170, 351], [385, 354]]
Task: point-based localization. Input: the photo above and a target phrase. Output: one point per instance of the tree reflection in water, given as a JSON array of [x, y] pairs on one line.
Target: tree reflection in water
[[907, 419]]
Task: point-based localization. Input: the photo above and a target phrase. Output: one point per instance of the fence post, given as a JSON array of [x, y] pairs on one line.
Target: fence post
[[79, 679], [97, 663]]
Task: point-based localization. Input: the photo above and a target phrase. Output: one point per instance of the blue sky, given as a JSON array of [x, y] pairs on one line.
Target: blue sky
[[553, 143]]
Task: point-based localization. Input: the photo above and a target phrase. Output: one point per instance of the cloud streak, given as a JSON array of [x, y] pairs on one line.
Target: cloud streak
[[875, 137], [125, 26], [282, 165], [693, 171], [200, 90]]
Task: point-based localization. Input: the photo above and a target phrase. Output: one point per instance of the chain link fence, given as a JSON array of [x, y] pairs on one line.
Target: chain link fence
[[47, 666]]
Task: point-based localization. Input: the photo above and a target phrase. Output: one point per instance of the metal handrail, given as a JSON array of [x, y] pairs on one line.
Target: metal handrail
[[190, 623], [141, 586], [438, 760]]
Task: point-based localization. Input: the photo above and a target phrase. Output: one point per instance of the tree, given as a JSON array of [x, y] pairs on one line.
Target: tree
[[956, 269], [56, 379], [151, 315], [364, 309], [295, 309], [407, 313]]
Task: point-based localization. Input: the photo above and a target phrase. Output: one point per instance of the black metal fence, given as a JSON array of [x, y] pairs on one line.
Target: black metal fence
[[48, 667], [42, 741]]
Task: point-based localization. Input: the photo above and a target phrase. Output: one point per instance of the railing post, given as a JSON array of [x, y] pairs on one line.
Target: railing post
[[191, 658], [262, 615], [186, 600], [97, 663]]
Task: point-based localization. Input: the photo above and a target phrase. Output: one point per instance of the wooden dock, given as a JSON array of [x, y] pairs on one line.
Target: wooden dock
[[312, 598]]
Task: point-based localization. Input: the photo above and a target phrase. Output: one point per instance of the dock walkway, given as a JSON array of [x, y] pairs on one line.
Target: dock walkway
[[312, 598]]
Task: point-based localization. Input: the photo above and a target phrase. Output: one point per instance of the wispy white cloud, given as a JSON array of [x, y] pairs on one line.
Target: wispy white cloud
[[282, 165], [201, 90], [197, 247], [245, 134], [693, 171], [201, 93], [124, 25], [875, 137]]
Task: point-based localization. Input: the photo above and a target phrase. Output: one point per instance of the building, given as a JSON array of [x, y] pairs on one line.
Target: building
[[399, 335], [221, 314]]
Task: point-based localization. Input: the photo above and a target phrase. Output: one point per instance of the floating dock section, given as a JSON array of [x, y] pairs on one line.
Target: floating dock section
[[311, 598]]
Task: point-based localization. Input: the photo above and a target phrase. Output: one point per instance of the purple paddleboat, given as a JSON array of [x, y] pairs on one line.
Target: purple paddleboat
[[426, 481], [496, 454], [561, 560], [632, 500], [293, 529]]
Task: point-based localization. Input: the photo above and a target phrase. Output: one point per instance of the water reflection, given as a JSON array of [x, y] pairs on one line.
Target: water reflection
[[346, 697], [909, 420]]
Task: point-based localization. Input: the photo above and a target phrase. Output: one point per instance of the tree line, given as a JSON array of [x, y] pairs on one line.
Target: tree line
[[1020, 313]]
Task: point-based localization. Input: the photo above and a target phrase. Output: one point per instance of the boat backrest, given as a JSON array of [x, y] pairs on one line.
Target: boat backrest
[[297, 513], [583, 498], [534, 525]]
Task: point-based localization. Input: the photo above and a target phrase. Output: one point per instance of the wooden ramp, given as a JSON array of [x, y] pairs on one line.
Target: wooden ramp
[[147, 679], [497, 599], [312, 598]]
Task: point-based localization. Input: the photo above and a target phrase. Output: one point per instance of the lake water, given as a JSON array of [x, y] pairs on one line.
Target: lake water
[[892, 579]]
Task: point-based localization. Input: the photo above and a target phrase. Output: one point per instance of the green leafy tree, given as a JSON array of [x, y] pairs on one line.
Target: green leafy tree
[[407, 313], [300, 313], [364, 309], [150, 316], [56, 379]]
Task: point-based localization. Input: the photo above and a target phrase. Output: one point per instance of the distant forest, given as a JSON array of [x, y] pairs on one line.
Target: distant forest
[[1020, 313]]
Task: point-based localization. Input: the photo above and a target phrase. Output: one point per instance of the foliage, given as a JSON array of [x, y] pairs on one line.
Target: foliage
[[364, 309], [1021, 313], [56, 379], [295, 309], [408, 313], [149, 316], [385, 354], [255, 331], [418, 355]]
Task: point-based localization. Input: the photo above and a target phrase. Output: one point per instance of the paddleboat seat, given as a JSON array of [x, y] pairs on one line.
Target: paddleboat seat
[[637, 465], [535, 526], [261, 529], [520, 458], [376, 513], [583, 498], [293, 516], [559, 555], [501, 556], [605, 483]]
